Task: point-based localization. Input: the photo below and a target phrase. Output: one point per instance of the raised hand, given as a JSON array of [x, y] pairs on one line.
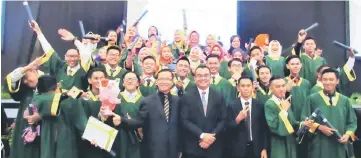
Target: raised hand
[[351, 53], [35, 26], [242, 115], [286, 104], [301, 36], [66, 35], [34, 64]]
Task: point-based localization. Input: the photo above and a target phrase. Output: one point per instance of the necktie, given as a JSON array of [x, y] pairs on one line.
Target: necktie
[[330, 97], [112, 72], [204, 102], [166, 107], [69, 72], [148, 82], [248, 122], [213, 80], [235, 81]]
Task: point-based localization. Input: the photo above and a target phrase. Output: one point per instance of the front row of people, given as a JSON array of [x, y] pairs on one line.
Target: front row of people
[[198, 124]]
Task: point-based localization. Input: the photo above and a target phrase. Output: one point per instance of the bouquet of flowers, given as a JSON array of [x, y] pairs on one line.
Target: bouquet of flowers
[[31, 132], [108, 95]]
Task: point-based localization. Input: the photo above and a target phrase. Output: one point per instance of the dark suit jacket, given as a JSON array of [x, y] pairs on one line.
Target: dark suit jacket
[[237, 133], [195, 123], [160, 138]]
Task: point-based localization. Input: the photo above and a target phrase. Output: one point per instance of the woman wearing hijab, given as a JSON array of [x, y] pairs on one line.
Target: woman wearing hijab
[[179, 46], [165, 58], [274, 59], [210, 42], [196, 57]]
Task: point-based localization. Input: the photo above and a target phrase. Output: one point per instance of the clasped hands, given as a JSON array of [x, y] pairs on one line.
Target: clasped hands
[[207, 140]]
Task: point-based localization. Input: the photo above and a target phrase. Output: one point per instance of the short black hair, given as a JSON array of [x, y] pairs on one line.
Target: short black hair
[[253, 48], [309, 38], [244, 78], [289, 58], [263, 66], [321, 67], [128, 72], [212, 56], [165, 70], [91, 71], [233, 60], [183, 58], [113, 47], [148, 57], [275, 78], [330, 70], [201, 66]]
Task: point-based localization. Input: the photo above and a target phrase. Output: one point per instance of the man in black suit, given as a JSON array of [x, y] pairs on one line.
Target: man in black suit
[[247, 127], [203, 116], [158, 115]]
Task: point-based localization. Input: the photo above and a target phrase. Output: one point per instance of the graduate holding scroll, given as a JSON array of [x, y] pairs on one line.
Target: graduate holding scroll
[[339, 112], [309, 60], [21, 84], [69, 73], [346, 76], [179, 46], [61, 119]]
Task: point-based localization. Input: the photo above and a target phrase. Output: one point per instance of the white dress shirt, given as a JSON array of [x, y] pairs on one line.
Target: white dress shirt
[[73, 69], [131, 96], [243, 101], [206, 96]]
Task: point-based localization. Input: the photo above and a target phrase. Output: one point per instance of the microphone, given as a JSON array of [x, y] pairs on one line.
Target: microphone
[[325, 121], [304, 128]]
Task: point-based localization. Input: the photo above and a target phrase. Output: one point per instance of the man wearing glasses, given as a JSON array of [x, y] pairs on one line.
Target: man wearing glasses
[[203, 116], [158, 116]]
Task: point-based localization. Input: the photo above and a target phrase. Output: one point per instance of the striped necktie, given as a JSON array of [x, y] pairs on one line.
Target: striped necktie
[[166, 107]]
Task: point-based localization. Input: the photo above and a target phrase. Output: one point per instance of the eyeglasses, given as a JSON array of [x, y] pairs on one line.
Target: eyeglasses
[[72, 56], [164, 80], [203, 76], [236, 65]]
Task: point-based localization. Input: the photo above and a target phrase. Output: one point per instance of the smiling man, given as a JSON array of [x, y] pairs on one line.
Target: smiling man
[[148, 86], [338, 111], [70, 73], [181, 80]]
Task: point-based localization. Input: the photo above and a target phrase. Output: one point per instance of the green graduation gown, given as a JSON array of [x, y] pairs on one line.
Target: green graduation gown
[[277, 65], [52, 64], [175, 51], [129, 140], [310, 66], [340, 114], [188, 84], [346, 76], [135, 66], [282, 127], [224, 87], [61, 119], [262, 95], [24, 94], [234, 90], [223, 70], [116, 75], [146, 89], [299, 92]]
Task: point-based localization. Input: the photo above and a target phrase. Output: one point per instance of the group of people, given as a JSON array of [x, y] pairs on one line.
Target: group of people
[[182, 99]]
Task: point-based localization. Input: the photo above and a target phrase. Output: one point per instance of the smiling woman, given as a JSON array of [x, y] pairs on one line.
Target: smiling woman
[[217, 17]]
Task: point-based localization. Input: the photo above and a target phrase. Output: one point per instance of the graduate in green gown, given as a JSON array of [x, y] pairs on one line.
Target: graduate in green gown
[[61, 119], [274, 59], [129, 59], [337, 109], [196, 57], [179, 47], [21, 84], [91, 105], [297, 86], [219, 83], [309, 60], [128, 138], [223, 69], [181, 81], [235, 67], [69, 73], [148, 86], [281, 121], [256, 59], [346, 76], [112, 68], [263, 92]]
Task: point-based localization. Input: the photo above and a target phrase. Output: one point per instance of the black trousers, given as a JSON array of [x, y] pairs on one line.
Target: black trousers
[[249, 152]]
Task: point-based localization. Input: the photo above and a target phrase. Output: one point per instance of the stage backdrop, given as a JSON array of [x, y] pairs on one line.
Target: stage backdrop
[[283, 20], [20, 44]]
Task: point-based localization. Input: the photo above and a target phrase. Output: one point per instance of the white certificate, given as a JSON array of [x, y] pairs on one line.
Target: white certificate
[[101, 133]]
